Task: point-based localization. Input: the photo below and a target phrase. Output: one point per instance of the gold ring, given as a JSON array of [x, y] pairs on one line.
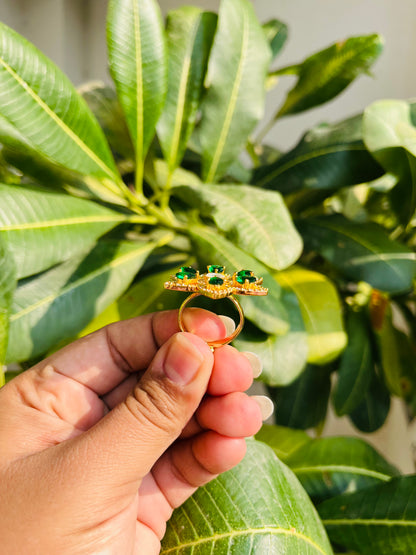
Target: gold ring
[[218, 342], [216, 284]]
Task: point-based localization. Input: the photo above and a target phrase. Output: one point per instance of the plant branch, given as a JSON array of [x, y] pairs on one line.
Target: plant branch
[[165, 217], [164, 200]]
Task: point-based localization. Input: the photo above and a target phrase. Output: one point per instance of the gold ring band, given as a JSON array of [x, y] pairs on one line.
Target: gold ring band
[[217, 342]]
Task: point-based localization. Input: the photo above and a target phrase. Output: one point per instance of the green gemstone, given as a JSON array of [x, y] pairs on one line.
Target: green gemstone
[[188, 271], [245, 273], [181, 275], [215, 269], [215, 281], [243, 279]]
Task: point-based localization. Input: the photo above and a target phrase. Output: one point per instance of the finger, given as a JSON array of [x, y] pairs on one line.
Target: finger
[[103, 359], [121, 391], [232, 372], [125, 444], [233, 415], [146, 541], [193, 463], [179, 472]]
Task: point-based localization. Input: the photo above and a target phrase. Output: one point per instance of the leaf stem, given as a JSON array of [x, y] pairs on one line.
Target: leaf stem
[[263, 132], [165, 239], [165, 217], [151, 220], [139, 183], [134, 200], [164, 200]]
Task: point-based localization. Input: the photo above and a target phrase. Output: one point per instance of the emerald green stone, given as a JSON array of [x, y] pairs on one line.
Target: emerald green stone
[[245, 273], [215, 281], [186, 272], [189, 271], [215, 269], [243, 279]]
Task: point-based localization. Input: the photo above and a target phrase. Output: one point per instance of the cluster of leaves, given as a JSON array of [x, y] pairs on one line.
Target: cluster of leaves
[[351, 191], [365, 505], [104, 192]]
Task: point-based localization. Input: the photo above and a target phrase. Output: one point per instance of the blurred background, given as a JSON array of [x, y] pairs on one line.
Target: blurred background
[[72, 34]]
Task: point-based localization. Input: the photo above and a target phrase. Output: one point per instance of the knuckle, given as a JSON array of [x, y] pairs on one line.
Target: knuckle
[[153, 405]]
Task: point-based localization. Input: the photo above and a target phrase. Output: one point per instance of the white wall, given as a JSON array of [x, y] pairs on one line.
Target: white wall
[[315, 24]]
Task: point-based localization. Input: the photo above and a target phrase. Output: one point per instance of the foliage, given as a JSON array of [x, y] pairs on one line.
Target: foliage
[[105, 191]]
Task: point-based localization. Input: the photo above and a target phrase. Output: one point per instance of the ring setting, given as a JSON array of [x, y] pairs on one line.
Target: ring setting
[[216, 284]]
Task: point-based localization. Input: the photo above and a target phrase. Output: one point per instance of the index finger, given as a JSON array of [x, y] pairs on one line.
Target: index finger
[[103, 359]]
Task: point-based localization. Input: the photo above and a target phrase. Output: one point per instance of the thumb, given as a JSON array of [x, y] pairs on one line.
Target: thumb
[[123, 446]]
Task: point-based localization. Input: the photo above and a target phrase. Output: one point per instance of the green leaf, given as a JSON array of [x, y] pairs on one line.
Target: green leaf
[[108, 316], [372, 412], [237, 514], [328, 157], [157, 174], [137, 55], [268, 312], [104, 104], [321, 311], [190, 32], [361, 252], [284, 441], [7, 287], [380, 519], [303, 403], [234, 102], [324, 75], [283, 356], [276, 35], [31, 163], [145, 296], [257, 221], [397, 356], [148, 295], [45, 109], [390, 136], [44, 228], [333, 465], [7, 173], [60, 302], [356, 366]]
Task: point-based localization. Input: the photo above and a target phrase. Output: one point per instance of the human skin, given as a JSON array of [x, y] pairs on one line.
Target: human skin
[[102, 440]]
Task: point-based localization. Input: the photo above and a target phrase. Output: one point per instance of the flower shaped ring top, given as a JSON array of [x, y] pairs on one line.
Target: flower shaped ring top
[[216, 284]]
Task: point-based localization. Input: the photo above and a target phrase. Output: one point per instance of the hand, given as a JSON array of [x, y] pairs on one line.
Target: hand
[[103, 439]]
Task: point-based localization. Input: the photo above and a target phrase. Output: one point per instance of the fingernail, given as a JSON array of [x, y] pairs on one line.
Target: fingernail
[[183, 360], [228, 323], [265, 404], [255, 363]]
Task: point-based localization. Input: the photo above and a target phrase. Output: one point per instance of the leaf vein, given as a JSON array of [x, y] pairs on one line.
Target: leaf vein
[[82, 281], [272, 531], [306, 158], [58, 121]]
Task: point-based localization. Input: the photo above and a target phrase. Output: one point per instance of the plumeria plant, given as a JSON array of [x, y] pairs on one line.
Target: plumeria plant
[[105, 192]]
